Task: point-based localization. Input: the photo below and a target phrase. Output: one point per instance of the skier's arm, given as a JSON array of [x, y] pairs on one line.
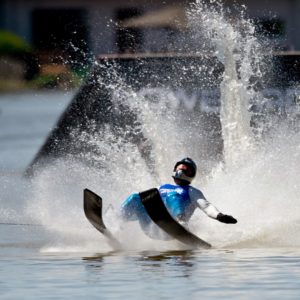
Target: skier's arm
[[209, 209]]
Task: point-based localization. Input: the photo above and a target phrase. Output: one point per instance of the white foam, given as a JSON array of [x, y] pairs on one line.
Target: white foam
[[259, 184]]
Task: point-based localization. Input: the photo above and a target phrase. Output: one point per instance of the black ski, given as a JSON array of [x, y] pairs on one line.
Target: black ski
[[159, 214], [92, 205]]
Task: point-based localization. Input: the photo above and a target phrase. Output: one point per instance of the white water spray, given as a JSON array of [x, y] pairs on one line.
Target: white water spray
[[260, 188], [255, 186], [232, 41]]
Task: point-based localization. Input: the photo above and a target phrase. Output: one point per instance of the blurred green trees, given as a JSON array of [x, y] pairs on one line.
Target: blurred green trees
[[11, 44], [15, 47], [22, 66]]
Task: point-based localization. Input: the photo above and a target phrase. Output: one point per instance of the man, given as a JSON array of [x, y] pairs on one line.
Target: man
[[181, 200]]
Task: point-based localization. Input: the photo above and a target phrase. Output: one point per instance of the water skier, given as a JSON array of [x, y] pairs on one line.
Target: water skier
[[181, 200]]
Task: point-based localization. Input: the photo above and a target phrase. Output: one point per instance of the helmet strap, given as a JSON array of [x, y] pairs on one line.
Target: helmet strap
[[181, 182]]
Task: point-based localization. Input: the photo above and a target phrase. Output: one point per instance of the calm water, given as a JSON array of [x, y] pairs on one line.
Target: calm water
[[74, 261], [28, 273]]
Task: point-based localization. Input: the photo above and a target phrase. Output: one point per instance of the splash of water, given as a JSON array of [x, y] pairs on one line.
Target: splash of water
[[259, 184], [258, 187], [233, 42]]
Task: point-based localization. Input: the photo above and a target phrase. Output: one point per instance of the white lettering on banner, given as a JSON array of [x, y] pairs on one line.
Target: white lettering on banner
[[161, 95], [272, 100], [292, 103], [208, 100], [189, 101]]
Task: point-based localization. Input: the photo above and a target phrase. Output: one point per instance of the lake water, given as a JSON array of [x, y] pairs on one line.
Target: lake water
[[48, 250]]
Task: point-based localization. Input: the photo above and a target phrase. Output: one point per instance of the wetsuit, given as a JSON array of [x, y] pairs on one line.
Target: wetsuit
[[181, 202]]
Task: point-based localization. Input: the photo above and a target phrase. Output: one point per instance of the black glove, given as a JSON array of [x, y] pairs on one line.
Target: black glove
[[226, 219]]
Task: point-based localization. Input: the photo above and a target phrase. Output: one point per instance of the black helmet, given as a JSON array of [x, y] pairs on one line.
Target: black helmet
[[181, 175]]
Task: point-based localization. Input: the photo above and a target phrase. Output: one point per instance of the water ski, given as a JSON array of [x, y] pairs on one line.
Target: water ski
[[159, 214], [155, 208], [92, 205]]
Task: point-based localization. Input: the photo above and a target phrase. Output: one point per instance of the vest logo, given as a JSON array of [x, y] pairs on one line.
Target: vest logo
[[179, 191]]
